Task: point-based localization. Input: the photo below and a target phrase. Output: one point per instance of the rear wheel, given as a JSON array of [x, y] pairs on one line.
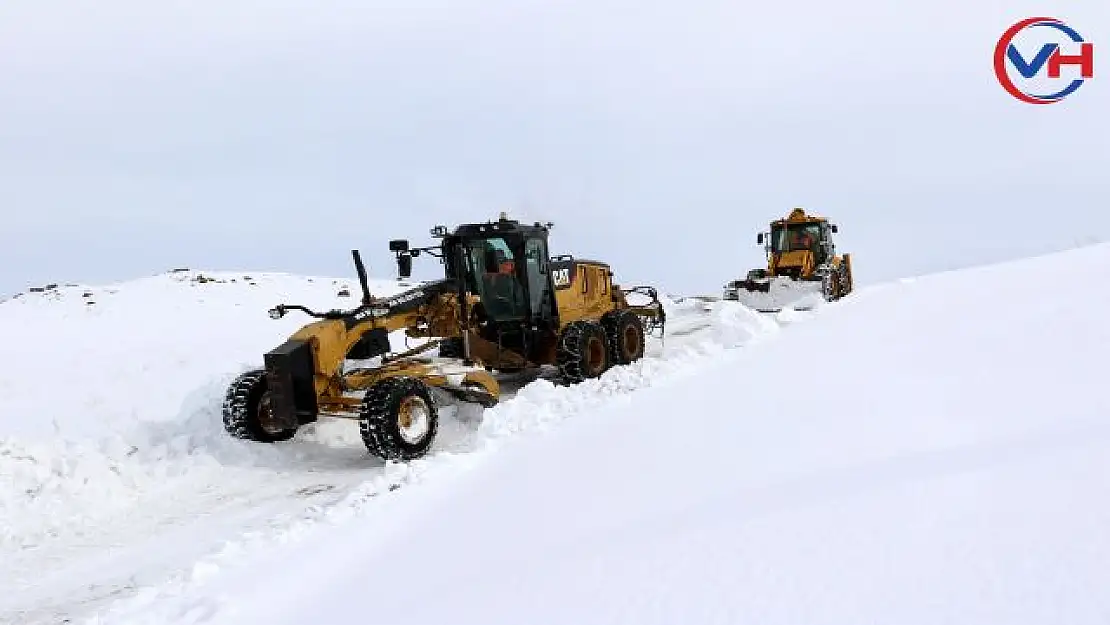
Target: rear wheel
[[398, 419], [246, 410], [583, 351], [625, 333], [845, 279], [830, 285]]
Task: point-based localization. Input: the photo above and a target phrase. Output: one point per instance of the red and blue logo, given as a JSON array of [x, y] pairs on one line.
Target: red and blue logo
[[1042, 79]]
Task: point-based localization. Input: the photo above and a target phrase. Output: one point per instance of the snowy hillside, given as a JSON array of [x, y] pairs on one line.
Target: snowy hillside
[[115, 471], [110, 428], [113, 389], [932, 450]]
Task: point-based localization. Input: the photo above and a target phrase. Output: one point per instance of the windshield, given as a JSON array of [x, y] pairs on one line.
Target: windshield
[[794, 237], [491, 273]]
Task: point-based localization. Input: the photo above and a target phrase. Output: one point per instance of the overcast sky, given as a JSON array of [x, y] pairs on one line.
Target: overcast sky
[[137, 136]]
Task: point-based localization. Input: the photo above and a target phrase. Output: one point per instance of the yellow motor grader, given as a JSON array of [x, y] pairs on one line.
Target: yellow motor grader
[[802, 266], [503, 305]]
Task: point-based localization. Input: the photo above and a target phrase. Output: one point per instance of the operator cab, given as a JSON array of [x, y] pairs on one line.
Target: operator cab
[[506, 265], [813, 236]]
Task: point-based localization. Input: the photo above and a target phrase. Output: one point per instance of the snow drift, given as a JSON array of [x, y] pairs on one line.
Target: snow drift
[[115, 471], [115, 389], [929, 451]]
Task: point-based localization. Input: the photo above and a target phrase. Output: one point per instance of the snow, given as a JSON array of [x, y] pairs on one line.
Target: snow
[[110, 432], [113, 391], [928, 450], [780, 293]]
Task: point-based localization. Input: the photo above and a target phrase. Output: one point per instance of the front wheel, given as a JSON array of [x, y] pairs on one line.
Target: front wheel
[[247, 413], [398, 419], [830, 285]]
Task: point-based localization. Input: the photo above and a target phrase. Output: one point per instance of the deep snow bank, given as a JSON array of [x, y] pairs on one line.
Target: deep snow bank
[[111, 392], [703, 334], [110, 513], [930, 451], [117, 394]]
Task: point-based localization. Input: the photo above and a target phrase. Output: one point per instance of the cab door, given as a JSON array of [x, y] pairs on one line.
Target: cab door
[[539, 281], [828, 247], [494, 270]]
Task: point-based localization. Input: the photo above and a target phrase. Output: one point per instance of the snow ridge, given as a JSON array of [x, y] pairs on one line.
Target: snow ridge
[[130, 374], [717, 331]]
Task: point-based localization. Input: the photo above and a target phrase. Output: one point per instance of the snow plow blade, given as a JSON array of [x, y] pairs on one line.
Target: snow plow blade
[[772, 295]]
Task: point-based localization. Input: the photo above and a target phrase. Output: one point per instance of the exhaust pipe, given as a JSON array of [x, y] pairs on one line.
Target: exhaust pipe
[[362, 281]]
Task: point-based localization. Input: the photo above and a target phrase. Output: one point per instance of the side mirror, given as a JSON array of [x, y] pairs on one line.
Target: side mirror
[[759, 238], [399, 245], [834, 228], [404, 265]]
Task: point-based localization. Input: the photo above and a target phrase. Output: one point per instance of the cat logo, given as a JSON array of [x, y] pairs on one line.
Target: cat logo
[[561, 277]]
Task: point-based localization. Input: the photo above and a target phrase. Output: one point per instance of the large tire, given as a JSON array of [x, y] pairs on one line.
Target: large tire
[[845, 279], [830, 285], [583, 351], [246, 407], [398, 419], [625, 333]]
